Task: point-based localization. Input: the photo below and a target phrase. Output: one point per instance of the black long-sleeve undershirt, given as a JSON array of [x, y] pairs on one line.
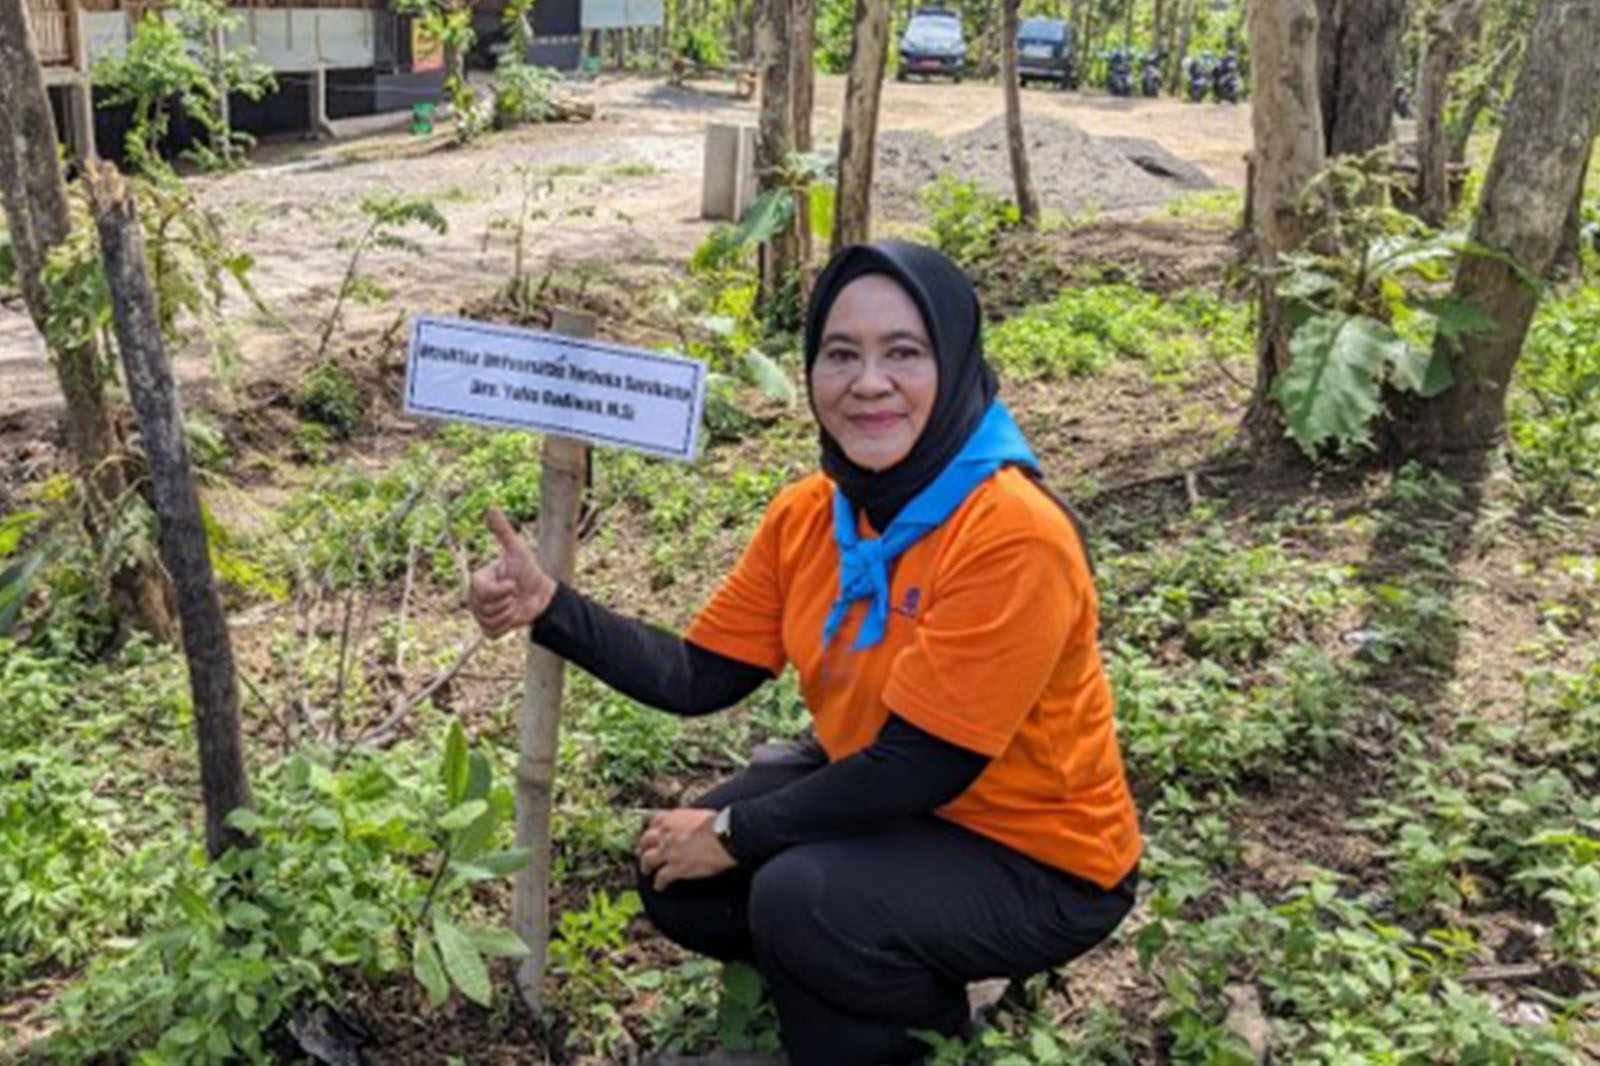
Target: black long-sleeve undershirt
[[905, 771]]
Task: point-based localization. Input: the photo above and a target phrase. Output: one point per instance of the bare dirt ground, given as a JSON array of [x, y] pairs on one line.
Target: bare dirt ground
[[620, 195]]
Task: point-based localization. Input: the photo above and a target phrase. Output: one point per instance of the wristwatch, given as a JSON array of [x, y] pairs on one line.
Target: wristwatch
[[722, 826]]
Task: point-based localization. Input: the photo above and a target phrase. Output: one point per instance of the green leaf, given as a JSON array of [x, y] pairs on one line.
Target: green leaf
[[1457, 317], [1422, 370], [498, 943], [769, 376], [1307, 285], [1330, 389], [1389, 256], [741, 984], [453, 770], [480, 776], [504, 863], [14, 582], [428, 969], [463, 815], [15, 526], [462, 961]]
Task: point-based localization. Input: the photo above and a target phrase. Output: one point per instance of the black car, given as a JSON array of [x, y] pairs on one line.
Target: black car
[[1044, 52], [933, 45]]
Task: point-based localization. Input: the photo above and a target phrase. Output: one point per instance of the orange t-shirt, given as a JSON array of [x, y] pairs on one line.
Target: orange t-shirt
[[990, 645]]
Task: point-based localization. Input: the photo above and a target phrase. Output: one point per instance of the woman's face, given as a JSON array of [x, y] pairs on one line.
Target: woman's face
[[875, 378]]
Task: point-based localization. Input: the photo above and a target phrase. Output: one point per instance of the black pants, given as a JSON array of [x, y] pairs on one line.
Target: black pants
[[863, 939]]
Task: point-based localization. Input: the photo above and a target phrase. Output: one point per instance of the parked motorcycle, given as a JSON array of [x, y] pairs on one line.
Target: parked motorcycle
[[1199, 78], [1150, 77], [1225, 79], [1119, 74]]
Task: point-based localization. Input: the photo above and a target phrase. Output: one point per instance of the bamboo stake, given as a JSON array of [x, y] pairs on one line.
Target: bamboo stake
[[564, 466]]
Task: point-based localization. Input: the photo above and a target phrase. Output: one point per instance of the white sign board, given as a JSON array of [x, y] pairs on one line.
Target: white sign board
[[602, 393]]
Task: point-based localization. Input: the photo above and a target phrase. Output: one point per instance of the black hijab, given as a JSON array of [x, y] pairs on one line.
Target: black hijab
[[967, 384]]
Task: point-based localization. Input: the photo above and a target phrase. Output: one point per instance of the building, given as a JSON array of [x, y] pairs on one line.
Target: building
[[332, 58]]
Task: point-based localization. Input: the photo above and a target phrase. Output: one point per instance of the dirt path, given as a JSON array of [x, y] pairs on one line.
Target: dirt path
[[621, 194]]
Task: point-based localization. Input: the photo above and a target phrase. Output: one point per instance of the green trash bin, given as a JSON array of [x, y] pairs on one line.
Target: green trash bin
[[422, 116]]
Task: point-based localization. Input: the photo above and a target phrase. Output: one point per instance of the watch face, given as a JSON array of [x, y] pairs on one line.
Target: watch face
[[722, 824]]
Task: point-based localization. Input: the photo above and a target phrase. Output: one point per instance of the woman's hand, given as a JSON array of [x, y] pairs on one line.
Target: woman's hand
[[511, 593], [680, 845]]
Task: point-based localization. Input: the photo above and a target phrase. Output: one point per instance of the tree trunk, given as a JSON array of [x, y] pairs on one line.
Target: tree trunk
[[803, 90], [1547, 139], [1016, 141], [38, 217], [1568, 256], [869, 50], [1359, 55], [775, 139], [1443, 45], [1286, 123], [1187, 16], [224, 782]]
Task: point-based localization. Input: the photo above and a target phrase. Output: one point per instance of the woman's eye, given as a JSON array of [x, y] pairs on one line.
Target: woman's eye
[[839, 355], [905, 353]]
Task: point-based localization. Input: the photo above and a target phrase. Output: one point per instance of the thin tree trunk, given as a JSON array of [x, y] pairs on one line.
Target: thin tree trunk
[[35, 201], [1537, 169], [1286, 122], [1190, 12], [803, 90], [775, 138], [1016, 141], [869, 50], [1568, 260], [1443, 46], [207, 648]]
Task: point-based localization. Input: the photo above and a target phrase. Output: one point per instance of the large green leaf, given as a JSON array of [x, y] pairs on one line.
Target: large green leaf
[[498, 943], [1331, 388], [769, 376], [464, 815], [428, 969], [462, 961], [14, 582], [1389, 256]]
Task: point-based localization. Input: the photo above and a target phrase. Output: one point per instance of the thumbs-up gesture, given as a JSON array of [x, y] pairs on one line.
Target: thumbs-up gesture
[[513, 591]]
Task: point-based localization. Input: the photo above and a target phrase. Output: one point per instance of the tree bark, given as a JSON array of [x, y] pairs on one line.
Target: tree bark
[[1443, 46], [1537, 167], [1288, 151], [803, 90], [39, 218], [1358, 44], [775, 139], [207, 648], [1187, 16], [869, 51], [1016, 140]]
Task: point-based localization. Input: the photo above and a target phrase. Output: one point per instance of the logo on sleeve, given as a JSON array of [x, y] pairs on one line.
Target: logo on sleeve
[[910, 603]]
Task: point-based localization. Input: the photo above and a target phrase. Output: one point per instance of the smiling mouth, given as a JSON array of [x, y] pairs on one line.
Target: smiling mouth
[[876, 423]]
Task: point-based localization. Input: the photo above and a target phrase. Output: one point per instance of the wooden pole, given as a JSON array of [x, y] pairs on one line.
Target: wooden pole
[[563, 471], [181, 532]]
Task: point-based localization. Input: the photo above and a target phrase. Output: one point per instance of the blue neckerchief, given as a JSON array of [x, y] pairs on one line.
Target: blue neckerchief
[[864, 562]]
